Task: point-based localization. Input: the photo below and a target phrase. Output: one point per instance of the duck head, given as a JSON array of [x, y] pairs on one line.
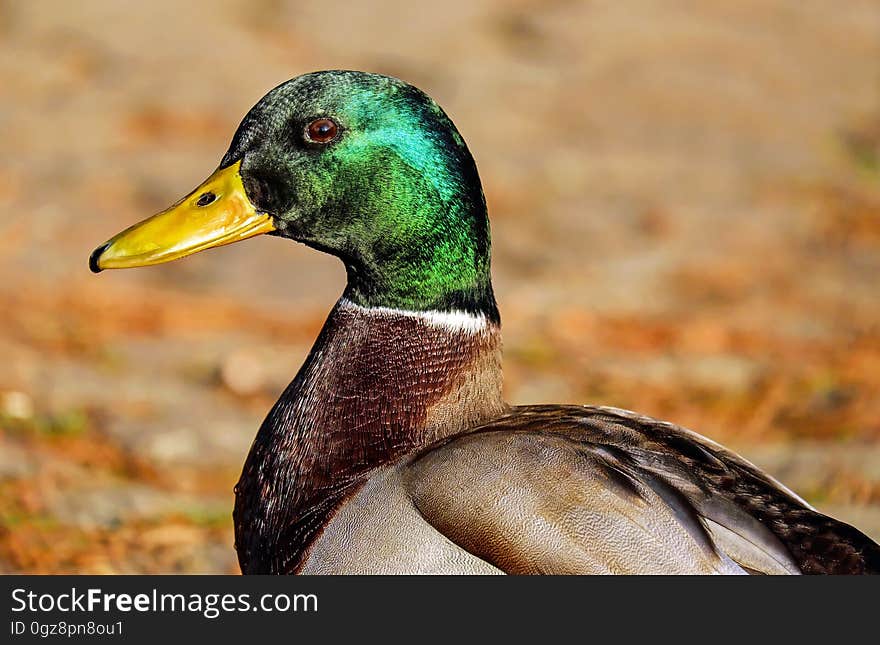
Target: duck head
[[362, 166]]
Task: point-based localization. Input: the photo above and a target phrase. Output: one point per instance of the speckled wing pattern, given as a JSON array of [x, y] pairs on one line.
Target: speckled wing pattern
[[579, 489]]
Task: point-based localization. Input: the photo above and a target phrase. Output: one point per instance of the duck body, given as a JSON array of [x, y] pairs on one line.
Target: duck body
[[395, 453], [393, 450]]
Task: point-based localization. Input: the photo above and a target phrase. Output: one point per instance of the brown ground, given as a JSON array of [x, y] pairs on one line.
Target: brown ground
[[686, 209]]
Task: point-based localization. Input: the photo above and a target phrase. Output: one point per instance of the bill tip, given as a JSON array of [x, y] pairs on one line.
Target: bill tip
[[95, 256]]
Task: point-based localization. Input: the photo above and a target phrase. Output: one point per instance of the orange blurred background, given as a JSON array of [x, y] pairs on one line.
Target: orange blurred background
[[685, 200]]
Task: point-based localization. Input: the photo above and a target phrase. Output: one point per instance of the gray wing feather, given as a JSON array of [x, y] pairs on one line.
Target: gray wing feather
[[536, 503], [581, 489]]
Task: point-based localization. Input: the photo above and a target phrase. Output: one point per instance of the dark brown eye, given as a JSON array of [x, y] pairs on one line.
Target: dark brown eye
[[322, 130]]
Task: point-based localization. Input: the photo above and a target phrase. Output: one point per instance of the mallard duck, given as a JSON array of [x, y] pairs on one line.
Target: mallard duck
[[393, 450]]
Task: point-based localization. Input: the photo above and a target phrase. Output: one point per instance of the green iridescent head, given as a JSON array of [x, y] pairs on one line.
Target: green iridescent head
[[362, 166]]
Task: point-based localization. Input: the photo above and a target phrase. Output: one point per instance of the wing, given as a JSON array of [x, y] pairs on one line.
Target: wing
[[537, 503], [569, 489]]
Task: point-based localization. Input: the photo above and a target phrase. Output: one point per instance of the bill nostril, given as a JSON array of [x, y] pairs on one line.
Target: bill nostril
[[206, 198], [95, 256]]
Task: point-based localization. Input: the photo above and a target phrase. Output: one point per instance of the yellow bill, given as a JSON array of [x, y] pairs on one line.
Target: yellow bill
[[217, 212]]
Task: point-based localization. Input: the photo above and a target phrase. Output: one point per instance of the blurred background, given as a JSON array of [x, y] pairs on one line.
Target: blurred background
[[685, 199]]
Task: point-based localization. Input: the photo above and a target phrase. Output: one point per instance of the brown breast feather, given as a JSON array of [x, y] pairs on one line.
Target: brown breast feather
[[375, 387]]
